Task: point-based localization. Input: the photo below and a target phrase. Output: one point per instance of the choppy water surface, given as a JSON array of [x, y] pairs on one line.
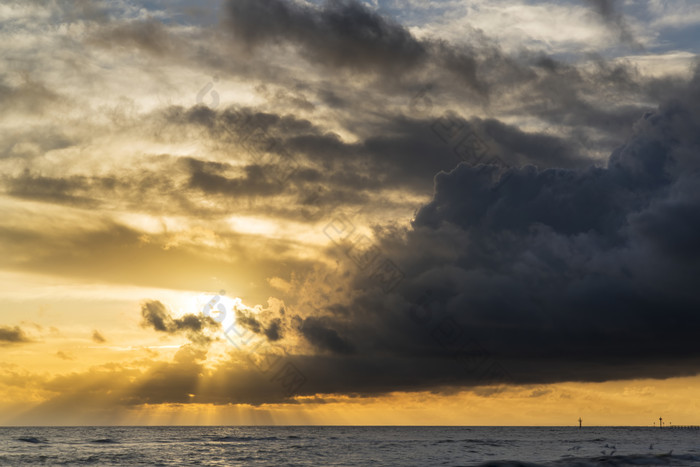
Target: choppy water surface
[[347, 446]]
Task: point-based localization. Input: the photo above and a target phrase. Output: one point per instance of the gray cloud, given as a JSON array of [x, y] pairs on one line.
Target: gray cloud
[[65, 356], [340, 34], [274, 330], [28, 97], [149, 35], [608, 10], [13, 335], [248, 321], [269, 322], [546, 274], [157, 316], [97, 337], [403, 153], [344, 34], [63, 190], [325, 338]]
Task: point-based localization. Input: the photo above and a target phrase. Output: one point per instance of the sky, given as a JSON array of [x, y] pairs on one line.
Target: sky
[[384, 212]]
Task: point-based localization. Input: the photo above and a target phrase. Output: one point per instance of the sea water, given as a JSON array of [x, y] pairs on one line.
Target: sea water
[[348, 446]]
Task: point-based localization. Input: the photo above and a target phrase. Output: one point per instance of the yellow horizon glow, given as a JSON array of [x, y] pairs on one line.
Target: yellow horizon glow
[[629, 403]]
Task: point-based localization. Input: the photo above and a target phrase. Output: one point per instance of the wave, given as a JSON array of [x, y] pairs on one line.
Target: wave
[[229, 439], [484, 442], [104, 441], [31, 439]]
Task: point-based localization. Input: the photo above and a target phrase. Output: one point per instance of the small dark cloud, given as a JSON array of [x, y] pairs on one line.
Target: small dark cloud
[[97, 337], [13, 335], [274, 330], [248, 321], [263, 323], [157, 316], [65, 355]]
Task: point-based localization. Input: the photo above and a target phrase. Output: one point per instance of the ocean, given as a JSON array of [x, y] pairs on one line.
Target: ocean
[[348, 446]]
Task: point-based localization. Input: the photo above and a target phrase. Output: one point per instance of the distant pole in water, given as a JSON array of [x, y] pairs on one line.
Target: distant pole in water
[[579, 423], [661, 422]]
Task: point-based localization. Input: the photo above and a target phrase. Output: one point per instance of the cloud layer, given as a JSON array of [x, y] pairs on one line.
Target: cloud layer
[[419, 212]]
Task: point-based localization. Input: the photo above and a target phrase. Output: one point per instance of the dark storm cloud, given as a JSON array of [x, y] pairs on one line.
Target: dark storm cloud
[[541, 275], [325, 338], [12, 335], [546, 274]]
